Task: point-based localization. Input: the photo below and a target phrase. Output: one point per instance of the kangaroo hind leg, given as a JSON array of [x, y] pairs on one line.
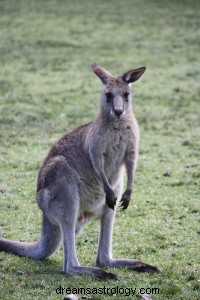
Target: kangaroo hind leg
[[69, 197], [104, 254]]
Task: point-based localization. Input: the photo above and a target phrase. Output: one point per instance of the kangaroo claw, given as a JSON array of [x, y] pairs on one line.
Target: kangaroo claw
[[125, 200]]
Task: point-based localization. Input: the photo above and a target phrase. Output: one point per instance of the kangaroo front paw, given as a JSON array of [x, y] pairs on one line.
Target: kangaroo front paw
[[111, 200], [125, 199]]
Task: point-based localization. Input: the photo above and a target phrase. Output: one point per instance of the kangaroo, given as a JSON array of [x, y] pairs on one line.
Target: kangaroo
[[82, 178]]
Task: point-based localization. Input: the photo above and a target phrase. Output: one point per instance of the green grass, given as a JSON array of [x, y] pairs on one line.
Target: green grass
[[47, 88]]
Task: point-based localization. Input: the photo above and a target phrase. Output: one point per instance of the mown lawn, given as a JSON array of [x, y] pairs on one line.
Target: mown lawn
[[47, 88]]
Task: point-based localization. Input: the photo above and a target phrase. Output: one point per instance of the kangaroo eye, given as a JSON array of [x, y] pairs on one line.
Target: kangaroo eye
[[126, 96], [109, 96]]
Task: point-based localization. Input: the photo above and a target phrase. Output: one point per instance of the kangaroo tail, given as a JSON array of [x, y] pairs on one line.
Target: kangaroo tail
[[41, 249]]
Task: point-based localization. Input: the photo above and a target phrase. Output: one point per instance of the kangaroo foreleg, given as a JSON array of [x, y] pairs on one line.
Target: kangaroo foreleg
[[97, 158], [130, 163]]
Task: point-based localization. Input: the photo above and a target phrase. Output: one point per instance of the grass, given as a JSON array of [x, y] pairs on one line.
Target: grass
[[47, 88]]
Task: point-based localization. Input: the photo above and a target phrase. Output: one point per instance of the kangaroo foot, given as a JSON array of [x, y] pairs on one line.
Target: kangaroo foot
[[135, 265], [96, 273], [102, 275]]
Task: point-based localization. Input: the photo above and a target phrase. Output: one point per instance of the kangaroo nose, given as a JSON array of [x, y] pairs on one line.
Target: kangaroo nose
[[118, 111]]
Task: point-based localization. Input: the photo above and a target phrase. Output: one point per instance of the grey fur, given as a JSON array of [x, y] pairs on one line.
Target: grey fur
[[82, 178]]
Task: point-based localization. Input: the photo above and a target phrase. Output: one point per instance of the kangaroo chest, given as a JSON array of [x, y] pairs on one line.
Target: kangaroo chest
[[115, 150]]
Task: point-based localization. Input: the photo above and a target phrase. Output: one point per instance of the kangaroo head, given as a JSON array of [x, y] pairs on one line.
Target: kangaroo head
[[116, 96]]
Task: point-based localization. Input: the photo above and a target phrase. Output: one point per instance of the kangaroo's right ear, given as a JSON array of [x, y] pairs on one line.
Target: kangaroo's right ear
[[101, 73], [133, 75]]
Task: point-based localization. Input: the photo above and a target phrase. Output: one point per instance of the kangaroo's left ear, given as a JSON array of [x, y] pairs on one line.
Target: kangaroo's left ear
[[133, 75]]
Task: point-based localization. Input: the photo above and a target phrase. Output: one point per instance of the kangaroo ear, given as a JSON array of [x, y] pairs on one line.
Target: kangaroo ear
[[133, 75], [101, 73]]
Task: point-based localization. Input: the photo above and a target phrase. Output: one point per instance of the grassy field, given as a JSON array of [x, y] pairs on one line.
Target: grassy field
[[47, 88]]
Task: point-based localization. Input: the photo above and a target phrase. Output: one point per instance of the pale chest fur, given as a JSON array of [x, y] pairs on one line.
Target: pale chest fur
[[117, 141], [107, 147]]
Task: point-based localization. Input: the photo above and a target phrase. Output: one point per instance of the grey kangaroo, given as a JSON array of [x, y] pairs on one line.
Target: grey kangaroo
[[82, 178]]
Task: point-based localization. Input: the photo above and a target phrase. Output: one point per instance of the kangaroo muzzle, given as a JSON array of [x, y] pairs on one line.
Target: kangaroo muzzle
[[118, 106], [118, 111]]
